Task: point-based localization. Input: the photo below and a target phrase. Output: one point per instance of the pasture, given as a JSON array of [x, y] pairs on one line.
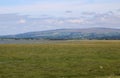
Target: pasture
[[62, 59]]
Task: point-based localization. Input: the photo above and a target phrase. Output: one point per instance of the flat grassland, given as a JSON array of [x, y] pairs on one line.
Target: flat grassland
[[66, 59]]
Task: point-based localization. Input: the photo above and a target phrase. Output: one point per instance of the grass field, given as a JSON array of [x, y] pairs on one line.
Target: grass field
[[70, 59]]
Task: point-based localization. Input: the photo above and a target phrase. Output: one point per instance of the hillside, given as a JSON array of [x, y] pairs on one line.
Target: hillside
[[66, 34]]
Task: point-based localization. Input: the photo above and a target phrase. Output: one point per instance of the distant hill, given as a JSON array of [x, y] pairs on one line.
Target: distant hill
[[68, 34]]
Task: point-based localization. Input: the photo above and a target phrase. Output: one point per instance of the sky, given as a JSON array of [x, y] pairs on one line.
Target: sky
[[19, 16]]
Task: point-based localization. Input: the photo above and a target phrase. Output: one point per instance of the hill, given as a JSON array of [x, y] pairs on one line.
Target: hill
[[68, 34]]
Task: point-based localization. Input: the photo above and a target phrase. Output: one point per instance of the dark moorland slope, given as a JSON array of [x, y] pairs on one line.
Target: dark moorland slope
[[68, 34]]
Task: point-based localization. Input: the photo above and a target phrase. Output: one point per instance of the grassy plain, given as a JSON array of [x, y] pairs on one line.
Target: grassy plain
[[64, 59]]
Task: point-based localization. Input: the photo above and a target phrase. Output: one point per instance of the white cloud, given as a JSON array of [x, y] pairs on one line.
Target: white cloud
[[58, 7], [22, 21], [76, 21]]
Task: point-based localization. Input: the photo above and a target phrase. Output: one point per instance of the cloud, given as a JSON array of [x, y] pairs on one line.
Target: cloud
[[23, 23], [35, 8], [88, 13], [56, 8], [68, 11], [24, 16], [76, 21]]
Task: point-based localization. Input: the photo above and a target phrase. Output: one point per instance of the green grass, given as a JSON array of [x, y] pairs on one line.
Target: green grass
[[70, 59]]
